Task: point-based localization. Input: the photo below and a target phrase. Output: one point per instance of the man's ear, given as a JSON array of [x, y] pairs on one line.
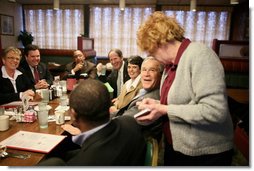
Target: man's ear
[[73, 113]]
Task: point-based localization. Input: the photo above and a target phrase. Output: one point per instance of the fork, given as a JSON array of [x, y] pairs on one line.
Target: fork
[[15, 155]]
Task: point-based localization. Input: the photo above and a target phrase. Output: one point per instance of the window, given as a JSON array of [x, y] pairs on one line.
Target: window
[[203, 26], [55, 29], [112, 28]]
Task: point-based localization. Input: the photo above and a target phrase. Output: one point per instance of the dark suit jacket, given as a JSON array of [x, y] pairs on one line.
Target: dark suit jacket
[[153, 129], [112, 78], [120, 143], [131, 109], [89, 68], [7, 92], [42, 69]]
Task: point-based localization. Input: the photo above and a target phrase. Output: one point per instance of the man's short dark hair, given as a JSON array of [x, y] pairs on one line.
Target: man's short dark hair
[[91, 101], [29, 48]]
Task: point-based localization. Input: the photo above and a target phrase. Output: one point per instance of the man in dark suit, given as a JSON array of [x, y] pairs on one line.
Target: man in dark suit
[[37, 71], [119, 74], [80, 67], [103, 142]]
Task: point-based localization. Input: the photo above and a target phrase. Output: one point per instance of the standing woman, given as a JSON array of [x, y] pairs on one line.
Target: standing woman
[[198, 128], [14, 84]]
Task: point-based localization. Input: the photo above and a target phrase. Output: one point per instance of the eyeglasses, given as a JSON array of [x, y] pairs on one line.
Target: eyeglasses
[[13, 58]]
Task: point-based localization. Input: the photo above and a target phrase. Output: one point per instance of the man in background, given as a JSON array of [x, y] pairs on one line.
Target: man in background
[[119, 74], [36, 70], [80, 66]]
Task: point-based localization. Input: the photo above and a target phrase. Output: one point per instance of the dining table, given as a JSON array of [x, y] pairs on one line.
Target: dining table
[[14, 127], [239, 95]]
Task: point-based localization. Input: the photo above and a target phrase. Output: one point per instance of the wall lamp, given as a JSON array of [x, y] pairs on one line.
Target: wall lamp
[[56, 4], [122, 5], [193, 5], [234, 2]]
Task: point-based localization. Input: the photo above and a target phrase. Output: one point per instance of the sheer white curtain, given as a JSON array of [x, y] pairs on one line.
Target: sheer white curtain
[[55, 29], [112, 28], [203, 26]]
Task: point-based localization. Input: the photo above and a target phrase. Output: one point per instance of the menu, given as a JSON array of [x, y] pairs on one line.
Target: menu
[[32, 141]]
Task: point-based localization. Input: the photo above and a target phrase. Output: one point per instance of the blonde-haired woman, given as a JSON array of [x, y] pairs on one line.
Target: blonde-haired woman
[[14, 84]]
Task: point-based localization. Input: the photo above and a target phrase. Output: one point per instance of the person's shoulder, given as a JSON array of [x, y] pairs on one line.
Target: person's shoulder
[[23, 64], [91, 64], [125, 120], [198, 46], [155, 94], [69, 64], [42, 64], [22, 70]]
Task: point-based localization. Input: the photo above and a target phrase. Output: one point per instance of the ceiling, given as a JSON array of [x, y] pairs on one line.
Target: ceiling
[[131, 2]]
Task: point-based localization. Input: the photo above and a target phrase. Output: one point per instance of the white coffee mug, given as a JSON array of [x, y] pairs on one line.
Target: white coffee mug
[[59, 115], [4, 122]]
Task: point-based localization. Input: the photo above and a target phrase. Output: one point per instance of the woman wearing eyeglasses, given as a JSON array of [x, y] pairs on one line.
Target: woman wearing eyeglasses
[[14, 84]]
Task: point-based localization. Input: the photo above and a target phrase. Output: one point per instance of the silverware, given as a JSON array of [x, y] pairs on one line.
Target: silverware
[[17, 155]]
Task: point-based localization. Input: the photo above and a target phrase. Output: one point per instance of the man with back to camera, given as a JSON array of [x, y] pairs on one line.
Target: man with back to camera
[[36, 70], [103, 142], [80, 66], [118, 75]]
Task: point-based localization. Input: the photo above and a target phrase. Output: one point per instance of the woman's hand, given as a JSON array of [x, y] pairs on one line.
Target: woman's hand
[[29, 93], [157, 110]]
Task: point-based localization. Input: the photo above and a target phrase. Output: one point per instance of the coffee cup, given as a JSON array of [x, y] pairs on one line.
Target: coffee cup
[[4, 122], [59, 116]]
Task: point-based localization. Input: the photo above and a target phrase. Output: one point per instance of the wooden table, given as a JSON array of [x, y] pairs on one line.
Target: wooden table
[[53, 128], [239, 95]]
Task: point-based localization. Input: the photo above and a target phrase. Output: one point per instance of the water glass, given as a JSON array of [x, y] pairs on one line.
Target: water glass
[[45, 95], [43, 118], [63, 84]]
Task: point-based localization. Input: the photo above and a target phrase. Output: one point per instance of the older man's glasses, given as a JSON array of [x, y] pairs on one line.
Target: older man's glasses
[[13, 58]]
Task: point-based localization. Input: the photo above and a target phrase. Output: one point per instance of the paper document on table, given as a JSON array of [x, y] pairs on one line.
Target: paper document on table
[[32, 141]]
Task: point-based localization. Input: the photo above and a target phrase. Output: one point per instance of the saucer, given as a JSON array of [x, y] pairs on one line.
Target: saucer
[[47, 107]]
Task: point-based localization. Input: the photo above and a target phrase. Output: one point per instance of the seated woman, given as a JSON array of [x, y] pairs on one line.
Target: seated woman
[[14, 84], [131, 88]]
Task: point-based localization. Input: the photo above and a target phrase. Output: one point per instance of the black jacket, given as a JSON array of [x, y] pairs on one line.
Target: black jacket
[[7, 92], [42, 69]]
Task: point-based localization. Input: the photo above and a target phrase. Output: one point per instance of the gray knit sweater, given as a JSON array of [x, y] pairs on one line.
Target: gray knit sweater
[[197, 104]]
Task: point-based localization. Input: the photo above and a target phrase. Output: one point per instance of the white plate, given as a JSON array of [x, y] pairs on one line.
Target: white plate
[[9, 113], [52, 118], [47, 107], [64, 108]]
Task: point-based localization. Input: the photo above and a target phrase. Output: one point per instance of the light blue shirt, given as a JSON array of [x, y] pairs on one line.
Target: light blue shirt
[[80, 139]]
